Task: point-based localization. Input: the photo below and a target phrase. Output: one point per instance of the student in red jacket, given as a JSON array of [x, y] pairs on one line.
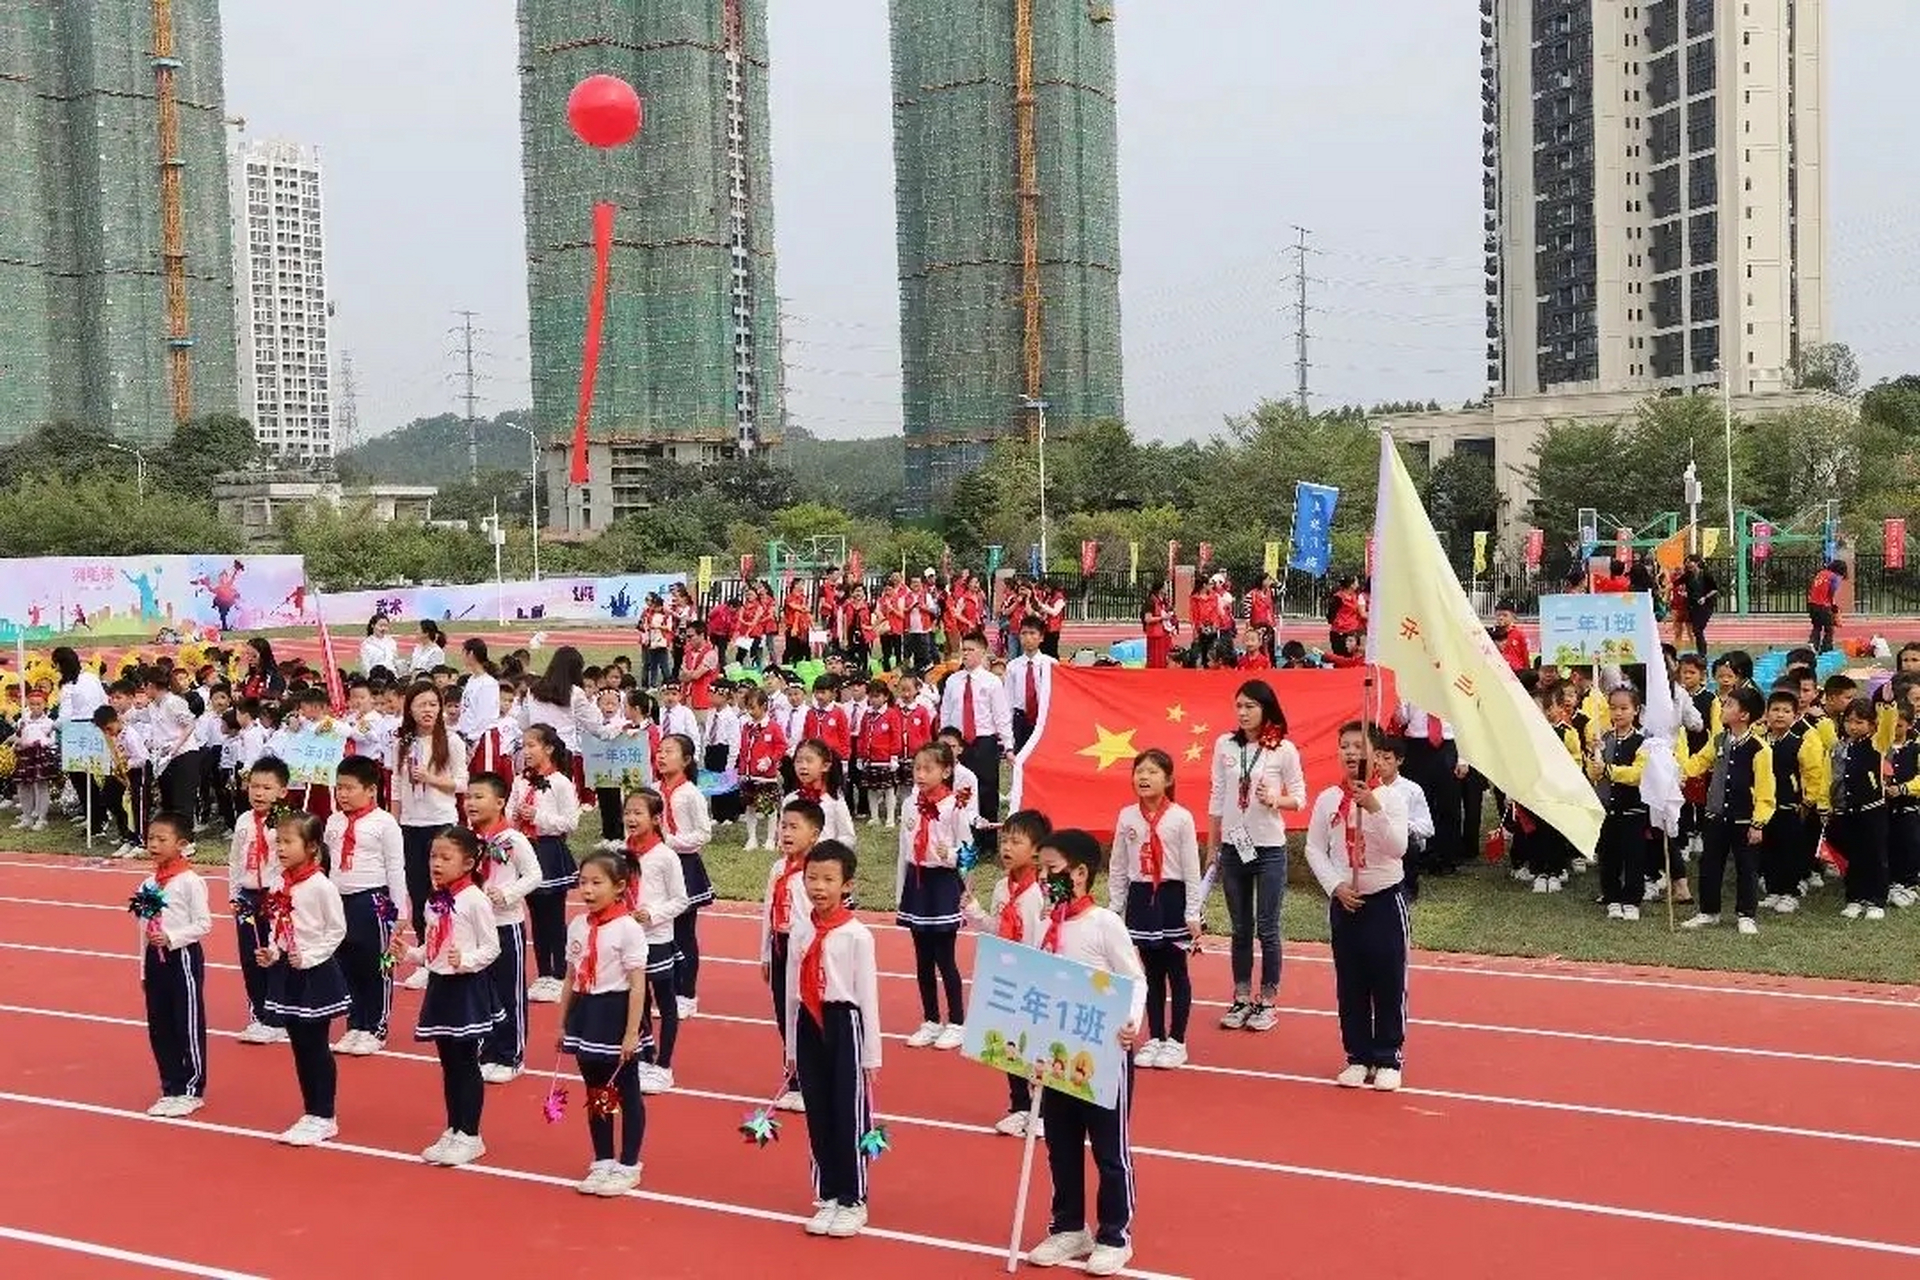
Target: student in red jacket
[[881, 749]]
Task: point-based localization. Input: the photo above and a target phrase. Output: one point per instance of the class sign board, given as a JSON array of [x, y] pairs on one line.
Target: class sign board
[[1053, 1020], [83, 749], [1606, 629], [624, 763], [313, 757]]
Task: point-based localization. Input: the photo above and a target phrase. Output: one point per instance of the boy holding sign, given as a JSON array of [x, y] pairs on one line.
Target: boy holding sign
[[1077, 929]]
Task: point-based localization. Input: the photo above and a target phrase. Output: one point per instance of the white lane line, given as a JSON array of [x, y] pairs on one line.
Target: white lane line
[[1244, 1073], [522, 1175], [152, 1261]]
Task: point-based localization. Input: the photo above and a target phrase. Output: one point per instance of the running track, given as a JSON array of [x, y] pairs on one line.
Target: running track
[[1585, 1121]]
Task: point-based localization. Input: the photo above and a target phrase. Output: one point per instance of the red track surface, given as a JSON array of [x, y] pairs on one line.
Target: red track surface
[[1569, 1120]]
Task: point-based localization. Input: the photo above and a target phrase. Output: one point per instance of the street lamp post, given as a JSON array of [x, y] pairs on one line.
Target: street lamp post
[[1039, 406], [139, 467], [1726, 425], [533, 474]]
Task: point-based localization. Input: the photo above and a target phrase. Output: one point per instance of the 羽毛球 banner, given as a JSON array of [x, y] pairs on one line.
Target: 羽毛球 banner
[[85, 598]]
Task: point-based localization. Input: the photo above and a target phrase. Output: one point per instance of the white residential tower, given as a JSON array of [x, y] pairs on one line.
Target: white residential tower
[[280, 292]]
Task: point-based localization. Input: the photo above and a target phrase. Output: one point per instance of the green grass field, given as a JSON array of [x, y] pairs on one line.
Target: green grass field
[[1480, 911]]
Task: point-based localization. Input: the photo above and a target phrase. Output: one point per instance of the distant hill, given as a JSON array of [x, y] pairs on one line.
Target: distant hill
[[864, 477], [434, 451]]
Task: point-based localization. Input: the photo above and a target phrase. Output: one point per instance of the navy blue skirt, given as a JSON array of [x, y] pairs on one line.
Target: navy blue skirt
[[318, 994], [661, 958], [930, 899], [558, 870], [1157, 914], [693, 869], [458, 1006], [595, 1024]]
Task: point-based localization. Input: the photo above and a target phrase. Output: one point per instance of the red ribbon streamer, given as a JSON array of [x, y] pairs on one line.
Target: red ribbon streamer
[[590, 353]]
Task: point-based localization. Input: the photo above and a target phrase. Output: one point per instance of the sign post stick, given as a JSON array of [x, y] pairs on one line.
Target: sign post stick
[[1026, 1181]]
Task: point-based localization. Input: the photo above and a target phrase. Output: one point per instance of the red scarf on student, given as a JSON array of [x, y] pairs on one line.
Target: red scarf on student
[[1017, 884], [440, 930], [1061, 914], [587, 972], [348, 838], [637, 848], [813, 965], [166, 871], [782, 904], [258, 853], [813, 791], [1153, 854], [523, 816], [929, 803], [666, 806], [493, 853], [1347, 818], [280, 905]]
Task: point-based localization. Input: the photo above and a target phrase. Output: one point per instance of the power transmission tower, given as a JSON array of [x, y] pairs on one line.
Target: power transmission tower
[[346, 412], [471, 397], [1301, 364]]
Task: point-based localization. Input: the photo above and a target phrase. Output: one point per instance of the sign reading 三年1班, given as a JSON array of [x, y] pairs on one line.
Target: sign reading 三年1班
[[1056, 1021]]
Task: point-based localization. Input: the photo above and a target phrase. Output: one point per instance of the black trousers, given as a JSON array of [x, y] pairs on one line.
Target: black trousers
[[1903, 844], [1720, 837], [313, 1064], [686, 970], [1072, 1126], [1166, 966], [661, 995], [1623, 858], [180, 783], [889, 651], [1860, 837], [1431, 769], [460, 1084], [1473, 808], [777, 979], [834, 1086], [599, 1072], [934, 964], [1022, 728], [612, 820], [369, 984], [506, 1044], [1371, 949], [982, 755], [1820, 634], [175, 983], [1781, 853], [250, 934], [416, 851], [547, 918]]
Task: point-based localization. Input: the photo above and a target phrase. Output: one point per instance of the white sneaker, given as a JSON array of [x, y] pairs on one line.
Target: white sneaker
[[276, 1035], [310, 1131], [951, 1036], [23, 824], [545, 991], [1013, 1124], [822, 1220], [848, 1223], [1876, 913], [499, 1073], [348, 1044], [1148, 1054], [1542, 885], [1614, 912], [1579, 865], [1353, 1076], [620, 1179], [596, 1175], [415, 981], [1747, 925], [1068, 1246], [1816, 880], [790, 1101], [1853, 910], [655, 1079], [1556, 884], [256, 1032], [1522, 874], [1787, 905], [462, 1148], [1699, 922], [165, 1107], [1386, 1079], [1767, 903], [1173, 1054], [39, 824], [1655, 890], [437, 1153], [186, 1106], [925, 1036], [687, 1006], [1108, 1259], [1629, 912]]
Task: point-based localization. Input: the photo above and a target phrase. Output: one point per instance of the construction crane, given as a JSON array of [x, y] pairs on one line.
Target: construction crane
[[1029, 197], [173, 249]]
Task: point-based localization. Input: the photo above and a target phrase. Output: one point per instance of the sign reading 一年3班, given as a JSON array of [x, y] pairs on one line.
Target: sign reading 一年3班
[[1582, 630], [1034, 1014]]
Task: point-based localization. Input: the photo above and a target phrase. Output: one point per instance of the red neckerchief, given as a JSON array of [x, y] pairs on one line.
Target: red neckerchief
[[280, 904], [1153, 854], [813, 965], [1017, 884], [666, 807], [167, 870], [638, 847], [257, 851], [1061, 914], [587, 972], [440, 932], [813, 791], [1347, 818], [347, 838], [782, 905], [929, 813]]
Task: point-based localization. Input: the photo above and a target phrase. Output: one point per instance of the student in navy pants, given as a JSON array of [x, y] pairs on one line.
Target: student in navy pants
[[1370, 951]]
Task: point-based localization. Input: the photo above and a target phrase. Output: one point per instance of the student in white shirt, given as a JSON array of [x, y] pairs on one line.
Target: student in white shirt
[[928, 888], [124, 790], [480, 703], [1257, 780], [675, 715], [1017, 912], [819, 777], [459, 1010], [36, 751], [687, 827], [975, 702], [509, 870], [176, 757], [1366, 909], [783, 919], [545, 804], [430, 773], [600, 1012], [1153, 882], [1079, 929], [368, 866], [657, 896], [173, 968], [1386, 774], [1029, 680], [305, 988]]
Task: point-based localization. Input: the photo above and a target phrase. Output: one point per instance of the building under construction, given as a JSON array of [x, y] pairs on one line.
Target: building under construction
[[1007, 181], [116, 267], [690, 365]]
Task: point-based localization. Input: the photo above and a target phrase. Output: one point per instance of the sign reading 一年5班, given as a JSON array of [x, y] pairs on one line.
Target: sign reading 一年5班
[[1054, 1020], [616, 764]]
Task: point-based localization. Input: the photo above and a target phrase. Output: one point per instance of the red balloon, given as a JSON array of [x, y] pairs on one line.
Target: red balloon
[[604, 111]]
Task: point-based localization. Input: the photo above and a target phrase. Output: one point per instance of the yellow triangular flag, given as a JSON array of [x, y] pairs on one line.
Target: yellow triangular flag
[[1422, 628], [1709, 540]]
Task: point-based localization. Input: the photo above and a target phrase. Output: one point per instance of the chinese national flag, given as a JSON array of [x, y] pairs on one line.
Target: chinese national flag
[[1078, 766]]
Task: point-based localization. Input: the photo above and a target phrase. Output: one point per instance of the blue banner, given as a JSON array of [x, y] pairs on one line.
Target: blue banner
[[1313, 527], [1055, 1021]]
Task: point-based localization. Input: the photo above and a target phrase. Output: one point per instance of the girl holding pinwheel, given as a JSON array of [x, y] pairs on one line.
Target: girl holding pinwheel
[[601, 1009], [305, 925], [459, 1011], [509, 871], [171, 906]]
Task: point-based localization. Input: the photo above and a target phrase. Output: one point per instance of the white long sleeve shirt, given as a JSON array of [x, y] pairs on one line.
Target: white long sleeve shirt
[[992, 715], [1032, 909], [723, 730], [319, 924], [852, 977], [425, 657], [511, 869], [1180, 842], [798, 908], [1419, 812], [663, 892], [475, 937], [1099, 938], [1254, 825], [839, 824], [380, 651], [185, 915], [1383, 834], [266, 875], [170, 729], [620, 952], [79, 700], [479, 705], [419, 804], [679, 718], [378, 858], [1041, 665], [685, 824], [555, 807], [579, 717]]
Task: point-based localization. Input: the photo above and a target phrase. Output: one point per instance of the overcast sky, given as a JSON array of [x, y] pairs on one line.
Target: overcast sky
[[1238, 119]]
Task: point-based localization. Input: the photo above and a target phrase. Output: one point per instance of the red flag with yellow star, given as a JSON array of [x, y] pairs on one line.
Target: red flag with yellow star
[[1078, 766]]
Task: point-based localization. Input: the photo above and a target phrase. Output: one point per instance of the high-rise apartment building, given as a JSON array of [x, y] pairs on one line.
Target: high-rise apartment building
[[1654, 192], [116, 286], [280, 294]]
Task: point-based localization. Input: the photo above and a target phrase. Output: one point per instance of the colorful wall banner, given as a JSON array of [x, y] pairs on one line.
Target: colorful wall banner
[[1035, 1014], [550, 599], [87, 598], [1583, 630]]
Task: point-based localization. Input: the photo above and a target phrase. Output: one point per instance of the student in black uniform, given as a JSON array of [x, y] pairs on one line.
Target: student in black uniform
[[173, 968], [1616, 767], [1798, 763], [1858, 828], [1903, 807], [1738, 766]]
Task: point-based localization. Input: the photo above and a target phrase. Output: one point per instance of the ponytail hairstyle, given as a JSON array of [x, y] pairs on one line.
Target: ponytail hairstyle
[[463, 839], [549, 737], [431, 630], [476, 648], [833, 777]]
